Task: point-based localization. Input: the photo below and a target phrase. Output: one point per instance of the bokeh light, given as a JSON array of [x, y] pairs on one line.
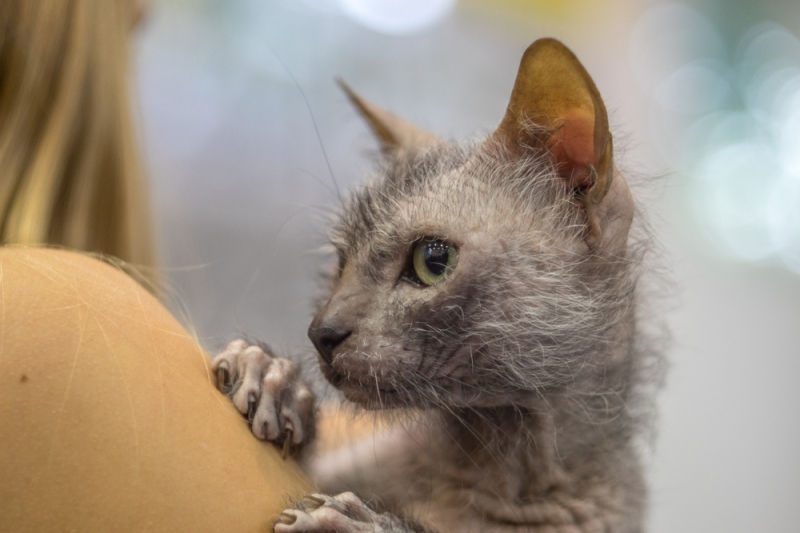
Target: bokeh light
[[728, 117], [396, 17]]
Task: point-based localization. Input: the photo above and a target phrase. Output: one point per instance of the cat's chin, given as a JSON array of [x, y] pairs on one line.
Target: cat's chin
[[370, 397], [373, 399]]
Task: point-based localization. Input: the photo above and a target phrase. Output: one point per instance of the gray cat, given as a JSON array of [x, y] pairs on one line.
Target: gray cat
[[491, 291]]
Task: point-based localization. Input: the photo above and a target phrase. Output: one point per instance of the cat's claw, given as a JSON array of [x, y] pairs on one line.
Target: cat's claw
[[223, 375], [268, 391], [344, 513]]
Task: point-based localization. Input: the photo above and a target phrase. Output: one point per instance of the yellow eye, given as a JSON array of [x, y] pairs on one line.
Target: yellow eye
[[433, 259]]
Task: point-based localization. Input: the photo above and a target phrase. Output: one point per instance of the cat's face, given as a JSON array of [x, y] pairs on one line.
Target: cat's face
[[449, 281], [464, 279]]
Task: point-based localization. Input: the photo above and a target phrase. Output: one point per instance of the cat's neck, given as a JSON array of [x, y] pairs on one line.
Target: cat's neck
[[523, 454], [534, 447]]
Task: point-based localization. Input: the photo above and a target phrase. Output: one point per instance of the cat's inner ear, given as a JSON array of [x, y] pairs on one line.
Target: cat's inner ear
[[555, 103], [392, 132]]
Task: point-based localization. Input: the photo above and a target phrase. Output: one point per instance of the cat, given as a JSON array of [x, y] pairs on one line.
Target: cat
[[491, 290]]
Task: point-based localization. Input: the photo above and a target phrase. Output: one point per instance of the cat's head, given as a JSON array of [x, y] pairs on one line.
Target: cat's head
[[478, 275]]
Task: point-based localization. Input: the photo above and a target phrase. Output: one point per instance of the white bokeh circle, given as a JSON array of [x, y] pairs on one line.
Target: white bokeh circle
[[397, 17]]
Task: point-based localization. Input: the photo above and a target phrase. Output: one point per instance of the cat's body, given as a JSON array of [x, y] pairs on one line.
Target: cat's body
[[485, 472], [490, 291]]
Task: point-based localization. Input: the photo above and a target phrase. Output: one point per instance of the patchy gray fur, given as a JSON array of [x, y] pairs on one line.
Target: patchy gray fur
[[525, 373]]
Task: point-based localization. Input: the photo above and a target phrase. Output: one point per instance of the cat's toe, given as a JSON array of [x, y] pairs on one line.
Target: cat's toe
[[343, 513], [286, 408], [264, 420], [253, 363], [225, 365], [297, 414], [321, 520]]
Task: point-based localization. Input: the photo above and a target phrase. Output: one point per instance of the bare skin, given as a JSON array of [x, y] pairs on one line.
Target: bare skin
[[109, 417]]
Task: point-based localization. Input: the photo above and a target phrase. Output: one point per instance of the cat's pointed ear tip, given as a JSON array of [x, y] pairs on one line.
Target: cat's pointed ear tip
[[343, 85], [351, 94], [393, 133], [548, 44]]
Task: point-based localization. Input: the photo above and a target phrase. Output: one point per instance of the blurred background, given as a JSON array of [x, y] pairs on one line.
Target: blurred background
[[247, 140]]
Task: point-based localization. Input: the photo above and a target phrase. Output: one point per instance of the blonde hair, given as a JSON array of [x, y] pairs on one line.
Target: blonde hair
[[69, 168]]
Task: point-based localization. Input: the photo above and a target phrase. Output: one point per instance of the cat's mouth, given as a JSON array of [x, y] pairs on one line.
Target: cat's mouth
[[374, 395]]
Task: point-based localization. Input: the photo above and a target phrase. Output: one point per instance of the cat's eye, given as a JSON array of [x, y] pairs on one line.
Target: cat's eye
[[432, 259]]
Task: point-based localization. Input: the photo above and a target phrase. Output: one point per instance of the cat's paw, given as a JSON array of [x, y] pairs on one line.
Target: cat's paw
[[344, 513], [268, 391]]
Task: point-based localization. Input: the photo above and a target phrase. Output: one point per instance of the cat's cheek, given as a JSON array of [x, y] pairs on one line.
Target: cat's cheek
[[367, 358]]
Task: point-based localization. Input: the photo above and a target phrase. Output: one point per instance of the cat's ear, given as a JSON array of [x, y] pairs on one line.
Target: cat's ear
[[555, 103], [392, 132]]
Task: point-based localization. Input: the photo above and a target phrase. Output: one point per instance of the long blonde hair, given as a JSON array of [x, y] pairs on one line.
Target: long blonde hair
[[69, 168]]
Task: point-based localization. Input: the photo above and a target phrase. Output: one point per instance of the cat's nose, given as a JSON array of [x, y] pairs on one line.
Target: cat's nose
[[325, 339]]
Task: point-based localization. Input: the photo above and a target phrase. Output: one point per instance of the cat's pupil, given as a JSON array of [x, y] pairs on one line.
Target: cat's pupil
[[436, 254]]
